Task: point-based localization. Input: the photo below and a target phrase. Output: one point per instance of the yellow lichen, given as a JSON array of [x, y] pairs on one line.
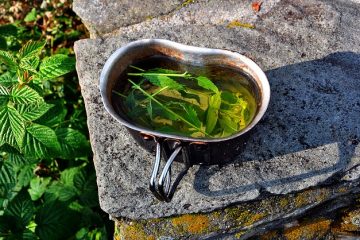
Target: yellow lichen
[[322, 195], [184, 4], [351, 221], [237, 23], [308, 231], [239, 234], [342, 190], [283, 202], [302, 198], [133, 231], [191, 223], [272, 235]]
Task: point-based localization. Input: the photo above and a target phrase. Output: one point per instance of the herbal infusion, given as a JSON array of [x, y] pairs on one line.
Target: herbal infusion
[[185, 104]]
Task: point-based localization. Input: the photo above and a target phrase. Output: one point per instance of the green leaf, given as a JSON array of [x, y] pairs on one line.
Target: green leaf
[[9, 60], [4, 95], [12, 128], [38, 187], [86, 186], [229, 97], [228, 124], [25, 175], [59, 191], [8, 30], [21, 207], [189, 113], [72, 143], [7, 180], [9, 149], [3, 43], [55, 115], [55, 66], [24, 95], [213, 112], [67, 176], [56, 221], [31, 112], [18, 161], [31, 16], [164, 81], [40, 141], [206, 83], [31, 49], [30, 64], [8, 79]]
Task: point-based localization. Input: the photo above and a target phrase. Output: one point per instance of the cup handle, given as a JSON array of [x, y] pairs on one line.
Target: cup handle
[[163, 190]]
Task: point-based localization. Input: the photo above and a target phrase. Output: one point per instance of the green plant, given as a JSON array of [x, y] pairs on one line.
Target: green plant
[[184, 104], [47, 186]]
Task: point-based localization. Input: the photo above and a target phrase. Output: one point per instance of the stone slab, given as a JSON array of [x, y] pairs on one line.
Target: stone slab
[[102, 16], [309, 135]]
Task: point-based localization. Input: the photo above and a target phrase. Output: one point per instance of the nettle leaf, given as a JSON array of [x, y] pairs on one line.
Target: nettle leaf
[[228, 124], [164, 81], [9, 60], [38, 187], [213, 112], [30, 64], [189, 113], [55, 66], [72, 143], [40, 141], [206, 83], [56, 221], [31, 112], [22, 208], [8, 79], [24, 95], [12, 128], [31, 49]]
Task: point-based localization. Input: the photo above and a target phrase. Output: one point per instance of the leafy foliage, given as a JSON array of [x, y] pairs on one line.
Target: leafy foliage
[[44, 150], [169, 101]]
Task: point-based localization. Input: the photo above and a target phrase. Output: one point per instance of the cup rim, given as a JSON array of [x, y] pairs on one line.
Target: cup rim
[[119, 53]]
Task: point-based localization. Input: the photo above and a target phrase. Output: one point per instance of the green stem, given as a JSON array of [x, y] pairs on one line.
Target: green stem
[[164, 107], [159, 91], [137, 68], [119, 94], [159, 74]]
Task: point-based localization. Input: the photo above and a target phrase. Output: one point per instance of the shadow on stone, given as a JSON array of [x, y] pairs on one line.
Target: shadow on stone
[[311, 129]]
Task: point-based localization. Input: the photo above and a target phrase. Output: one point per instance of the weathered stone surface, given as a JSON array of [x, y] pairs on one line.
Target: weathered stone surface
[[301, 216], [101, 16], [309, 136]]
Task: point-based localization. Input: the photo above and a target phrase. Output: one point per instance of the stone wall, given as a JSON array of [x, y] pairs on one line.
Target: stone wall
[[301, 162]]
